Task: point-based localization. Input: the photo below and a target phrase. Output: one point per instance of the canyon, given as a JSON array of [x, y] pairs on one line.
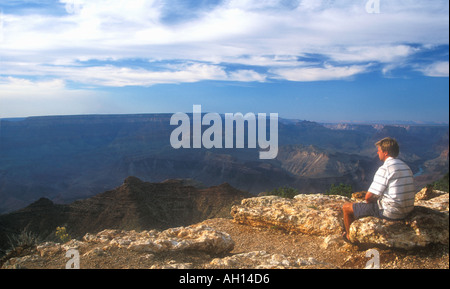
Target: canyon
[[69, 158]]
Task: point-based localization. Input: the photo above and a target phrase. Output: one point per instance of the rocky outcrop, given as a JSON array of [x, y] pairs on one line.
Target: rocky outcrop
[[427, 224], [194, 238], [433, 199], [309, 214], [422, 228], [264, 260], [322, 215], [147, 244]]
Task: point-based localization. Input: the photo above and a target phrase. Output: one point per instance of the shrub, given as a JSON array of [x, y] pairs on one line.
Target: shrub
[[24, 239], [341, 190], [442, 184], [62, 234], [284, 192]]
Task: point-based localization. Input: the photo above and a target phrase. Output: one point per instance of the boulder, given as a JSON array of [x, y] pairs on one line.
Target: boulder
[[428, 193], [192, 238], [423, 227], [308, 214], [433, 199], [264, 260], [427, 224], [439, 203]]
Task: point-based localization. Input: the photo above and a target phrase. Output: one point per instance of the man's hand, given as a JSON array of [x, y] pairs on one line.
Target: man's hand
[[371, 198]]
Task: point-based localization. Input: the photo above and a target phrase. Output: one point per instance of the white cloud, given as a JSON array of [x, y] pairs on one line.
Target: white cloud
[[19, 88], [115, 76], [21, 97], [437, 69], [122, 76], [383, 54], [265, 33], [247, 76], [186, 73], [319, 73]]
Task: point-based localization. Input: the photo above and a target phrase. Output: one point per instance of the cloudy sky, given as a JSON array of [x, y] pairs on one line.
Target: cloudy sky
[[319, 60]]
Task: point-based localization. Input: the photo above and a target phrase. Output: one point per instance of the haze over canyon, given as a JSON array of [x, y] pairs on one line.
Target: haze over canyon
[[67, 158]]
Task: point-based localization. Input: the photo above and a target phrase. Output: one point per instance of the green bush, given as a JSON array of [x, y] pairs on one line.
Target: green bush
[[442, 184], [284, 192], [61, 233], [340, 190]]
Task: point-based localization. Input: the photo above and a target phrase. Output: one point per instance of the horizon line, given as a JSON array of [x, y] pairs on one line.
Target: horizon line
[[325, 122]]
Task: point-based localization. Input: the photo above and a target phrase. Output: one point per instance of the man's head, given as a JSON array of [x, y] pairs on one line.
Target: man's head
[[387, 147]]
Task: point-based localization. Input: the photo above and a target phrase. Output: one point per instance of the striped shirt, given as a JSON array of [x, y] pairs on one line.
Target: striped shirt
[[394, 184]]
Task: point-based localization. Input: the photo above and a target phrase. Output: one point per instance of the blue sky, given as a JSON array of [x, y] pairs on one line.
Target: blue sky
[[319, 60]]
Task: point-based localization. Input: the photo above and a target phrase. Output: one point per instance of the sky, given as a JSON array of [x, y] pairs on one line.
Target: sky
[[317, 60]]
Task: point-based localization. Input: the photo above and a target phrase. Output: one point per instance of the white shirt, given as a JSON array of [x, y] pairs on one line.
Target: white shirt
[[394, 184]]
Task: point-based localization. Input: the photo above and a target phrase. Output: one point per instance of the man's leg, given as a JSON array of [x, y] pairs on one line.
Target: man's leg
[[354, 211], [349, 217]]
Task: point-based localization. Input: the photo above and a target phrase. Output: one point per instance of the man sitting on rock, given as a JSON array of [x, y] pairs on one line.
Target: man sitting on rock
[[391, 195]]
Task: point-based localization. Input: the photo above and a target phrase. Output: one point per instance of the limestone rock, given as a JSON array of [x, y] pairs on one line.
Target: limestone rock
[[20, 262], [195, 238], [48, 249], [439, 203], [255, 260], [198, 238], [433, 199], [427, 224], [173, 265], [423, 227], [309, 214], [264, 260], [428, 193], [359, 196]]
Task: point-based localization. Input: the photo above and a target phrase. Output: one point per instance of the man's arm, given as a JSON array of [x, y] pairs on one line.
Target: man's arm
[[371, 198]]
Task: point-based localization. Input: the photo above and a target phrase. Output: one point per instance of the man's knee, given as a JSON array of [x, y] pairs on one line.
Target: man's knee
[[348, 208]]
